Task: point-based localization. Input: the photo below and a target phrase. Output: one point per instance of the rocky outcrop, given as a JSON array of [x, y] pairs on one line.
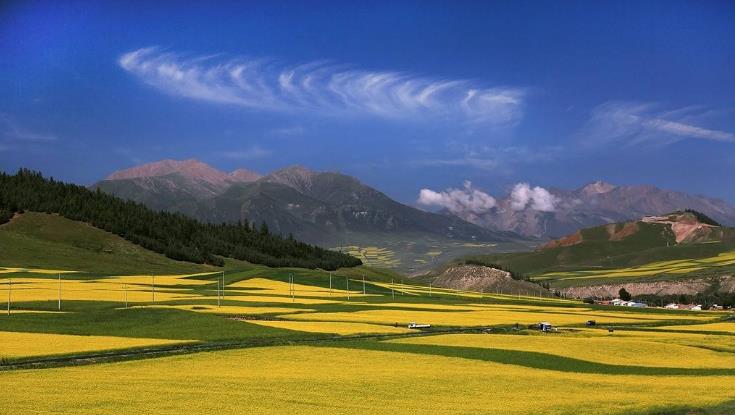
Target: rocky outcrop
[[724, 284], [486, 279], [193, 169]]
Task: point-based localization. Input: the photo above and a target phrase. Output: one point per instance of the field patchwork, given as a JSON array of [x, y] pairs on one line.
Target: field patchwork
[[673, 268], [311, 346]]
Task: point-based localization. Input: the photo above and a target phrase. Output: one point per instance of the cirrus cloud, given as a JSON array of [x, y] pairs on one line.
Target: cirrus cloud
[[636, 123], [323, 88]]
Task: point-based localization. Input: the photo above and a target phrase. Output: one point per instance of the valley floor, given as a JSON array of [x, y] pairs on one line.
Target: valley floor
[[267, 345]]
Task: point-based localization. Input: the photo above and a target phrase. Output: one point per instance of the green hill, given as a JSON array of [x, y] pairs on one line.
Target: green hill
[[44, 241], [172, 234], [678, 236]]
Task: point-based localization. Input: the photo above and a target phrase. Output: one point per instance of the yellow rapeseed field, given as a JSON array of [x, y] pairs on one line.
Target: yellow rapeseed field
[[610, 348], [323, 380], [16, 344], [681, 266], [230, 309], [39, 289], [333, 327], [725, 327], [489, 316]]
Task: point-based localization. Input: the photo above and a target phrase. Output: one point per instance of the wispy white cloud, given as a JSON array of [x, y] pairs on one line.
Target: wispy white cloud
[[637, 123], [324, 88], [251, 153], [11, 129], [493, 158], [464, 202], [474, 162], [288, 131]]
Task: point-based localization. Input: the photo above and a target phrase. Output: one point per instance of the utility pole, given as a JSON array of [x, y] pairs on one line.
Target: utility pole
[[348, 288], [59, 291], [330, 283], [10, 288], [429, 289], [363, 285], [392, 291], [223, 286], [153, 288], [218, 295], [125, 288]]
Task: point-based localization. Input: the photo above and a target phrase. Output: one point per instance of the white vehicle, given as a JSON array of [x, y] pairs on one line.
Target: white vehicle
[[414, 325], [545, 326]]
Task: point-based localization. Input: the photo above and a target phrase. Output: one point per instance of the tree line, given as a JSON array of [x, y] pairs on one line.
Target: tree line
[[172, 234]]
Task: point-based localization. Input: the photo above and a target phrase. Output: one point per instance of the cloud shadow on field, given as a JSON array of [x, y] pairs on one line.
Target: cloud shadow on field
[[533, 360]]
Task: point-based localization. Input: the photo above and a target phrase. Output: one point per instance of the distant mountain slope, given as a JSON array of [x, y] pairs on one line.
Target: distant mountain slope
[[319, 207], [174, 235], [680, 235], [172, 185], [598, 203]]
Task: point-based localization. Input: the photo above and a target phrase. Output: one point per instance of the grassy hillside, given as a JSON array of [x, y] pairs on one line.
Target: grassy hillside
[[174, 235], [595, 250], [40, 240], [44, 241]]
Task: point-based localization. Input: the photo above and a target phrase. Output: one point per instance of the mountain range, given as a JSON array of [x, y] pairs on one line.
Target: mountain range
[[334, 209], [318, 207], [594, 204]]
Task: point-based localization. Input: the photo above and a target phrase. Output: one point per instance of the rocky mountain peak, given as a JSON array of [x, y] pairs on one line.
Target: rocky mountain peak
[[597, 187], [297, 177], [244, 175], [191, 168]]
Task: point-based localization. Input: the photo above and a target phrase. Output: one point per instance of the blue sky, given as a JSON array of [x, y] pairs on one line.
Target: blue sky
[[403, 95]]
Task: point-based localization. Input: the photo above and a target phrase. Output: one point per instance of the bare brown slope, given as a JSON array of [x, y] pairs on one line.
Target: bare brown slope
[[188, 168], [484, 279], [724, 284]]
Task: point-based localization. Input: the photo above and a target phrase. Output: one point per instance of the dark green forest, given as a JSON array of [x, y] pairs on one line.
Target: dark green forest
[[172, 234]]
